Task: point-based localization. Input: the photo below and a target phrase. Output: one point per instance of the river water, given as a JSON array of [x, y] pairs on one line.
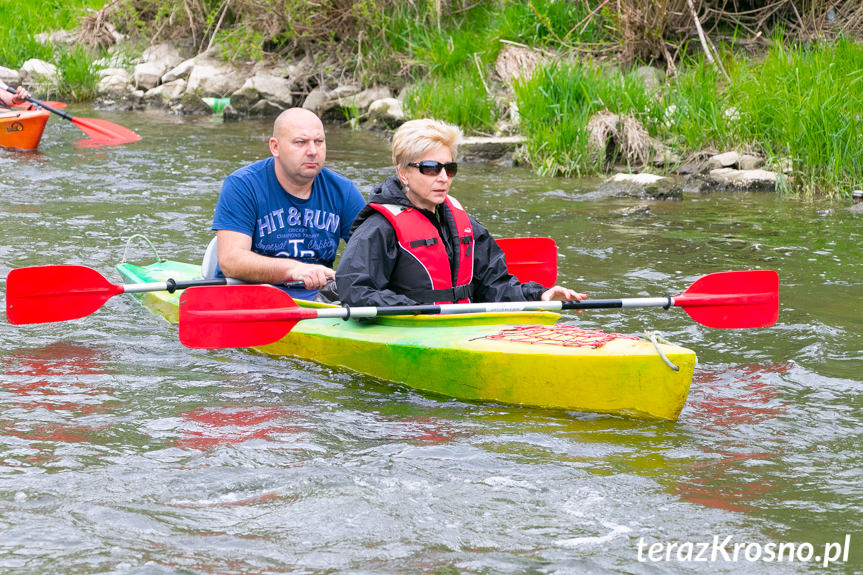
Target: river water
[[121, 451]]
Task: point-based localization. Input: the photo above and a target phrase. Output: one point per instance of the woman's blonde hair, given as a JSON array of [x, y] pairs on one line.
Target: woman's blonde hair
[[416, 138]]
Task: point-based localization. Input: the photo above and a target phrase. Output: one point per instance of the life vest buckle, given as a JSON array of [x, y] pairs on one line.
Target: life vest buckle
[[425, 242]]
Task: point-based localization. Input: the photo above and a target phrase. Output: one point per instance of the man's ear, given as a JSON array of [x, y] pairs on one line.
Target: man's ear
[[274, 147]]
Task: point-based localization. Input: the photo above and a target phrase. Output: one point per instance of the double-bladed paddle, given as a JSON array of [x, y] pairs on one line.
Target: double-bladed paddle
[[102, 132], [247, 316], [41, 294]]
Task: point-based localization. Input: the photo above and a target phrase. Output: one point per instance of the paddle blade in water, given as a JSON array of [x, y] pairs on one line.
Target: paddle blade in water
[[42, 294], [104, 133], [531, 259], [733, 300], [237, 316]]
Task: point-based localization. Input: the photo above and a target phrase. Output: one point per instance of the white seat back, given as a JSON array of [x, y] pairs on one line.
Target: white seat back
[[211, 260]]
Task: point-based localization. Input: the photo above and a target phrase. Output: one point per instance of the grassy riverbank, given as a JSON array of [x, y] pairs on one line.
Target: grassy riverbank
[[794, 104], [788, 101]]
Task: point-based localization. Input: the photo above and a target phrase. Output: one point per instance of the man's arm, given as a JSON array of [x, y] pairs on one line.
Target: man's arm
[[237, 260]]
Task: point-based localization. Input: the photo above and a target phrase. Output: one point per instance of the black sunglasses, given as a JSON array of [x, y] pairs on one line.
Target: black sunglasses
[[429, 168]]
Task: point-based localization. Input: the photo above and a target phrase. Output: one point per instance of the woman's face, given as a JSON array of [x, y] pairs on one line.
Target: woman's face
[[426, 190]]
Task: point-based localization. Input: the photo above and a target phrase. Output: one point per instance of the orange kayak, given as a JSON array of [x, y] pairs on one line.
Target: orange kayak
[[22, 129]]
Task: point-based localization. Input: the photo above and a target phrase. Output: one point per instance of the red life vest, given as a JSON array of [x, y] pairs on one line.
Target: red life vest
[[420, 239]]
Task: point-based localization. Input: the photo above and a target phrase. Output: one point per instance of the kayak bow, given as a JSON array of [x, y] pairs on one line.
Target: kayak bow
[[22, 129]]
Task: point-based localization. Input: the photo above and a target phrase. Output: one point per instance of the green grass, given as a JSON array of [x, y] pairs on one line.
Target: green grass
[[557, 102], [555, 105], [547, 23], [799, 103], [459, 99], [806, 103], [453, 60], [696, 113], [21, 21], [18, 23], [78, 79]]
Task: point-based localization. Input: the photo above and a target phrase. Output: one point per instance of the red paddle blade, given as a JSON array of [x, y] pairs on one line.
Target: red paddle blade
[[237, 316], [42, 294], [531, 259], [105, 133], [52, 103], [733, 300]]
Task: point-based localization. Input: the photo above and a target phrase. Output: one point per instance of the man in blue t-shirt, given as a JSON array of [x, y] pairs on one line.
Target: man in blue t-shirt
[[280, 219]]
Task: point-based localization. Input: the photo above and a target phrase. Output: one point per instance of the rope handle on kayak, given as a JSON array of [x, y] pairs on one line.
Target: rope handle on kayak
[[149, 243], [656, 338]]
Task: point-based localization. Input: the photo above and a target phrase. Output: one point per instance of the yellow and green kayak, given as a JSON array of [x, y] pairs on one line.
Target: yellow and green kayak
[[523, 358]]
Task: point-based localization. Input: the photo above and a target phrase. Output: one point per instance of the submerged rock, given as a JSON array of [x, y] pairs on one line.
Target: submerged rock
[[485, 149], [642, 186], [743, 180], [192, 104], [639, 210]]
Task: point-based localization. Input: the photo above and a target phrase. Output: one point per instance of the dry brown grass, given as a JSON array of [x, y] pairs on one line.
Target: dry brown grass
[[639, 30], [96, 28], [645, 27], [612, 138], [655, 30]]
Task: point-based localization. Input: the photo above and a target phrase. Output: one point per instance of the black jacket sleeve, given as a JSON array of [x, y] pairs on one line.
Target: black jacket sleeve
[[492, 282], [367, 263]]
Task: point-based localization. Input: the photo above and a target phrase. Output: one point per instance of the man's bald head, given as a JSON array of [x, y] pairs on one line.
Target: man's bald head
[[293, 119]]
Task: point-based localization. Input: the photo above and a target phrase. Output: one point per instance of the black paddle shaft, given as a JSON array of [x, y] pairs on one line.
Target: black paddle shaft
[[172, 285], [42, 104]]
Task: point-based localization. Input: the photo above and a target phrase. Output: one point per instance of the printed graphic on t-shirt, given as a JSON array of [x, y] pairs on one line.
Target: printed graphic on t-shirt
[[309, 234], [318, 219]]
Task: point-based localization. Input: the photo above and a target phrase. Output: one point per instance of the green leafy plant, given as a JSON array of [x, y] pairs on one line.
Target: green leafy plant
[[459, 99], [78, 79], [21, 21], [555, 105], [807, 101]]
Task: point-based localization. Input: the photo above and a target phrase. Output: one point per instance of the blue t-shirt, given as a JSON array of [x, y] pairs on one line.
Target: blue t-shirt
[[253, 202]]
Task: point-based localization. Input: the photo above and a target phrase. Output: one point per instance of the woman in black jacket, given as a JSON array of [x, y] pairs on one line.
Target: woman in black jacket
[[415, 244]]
